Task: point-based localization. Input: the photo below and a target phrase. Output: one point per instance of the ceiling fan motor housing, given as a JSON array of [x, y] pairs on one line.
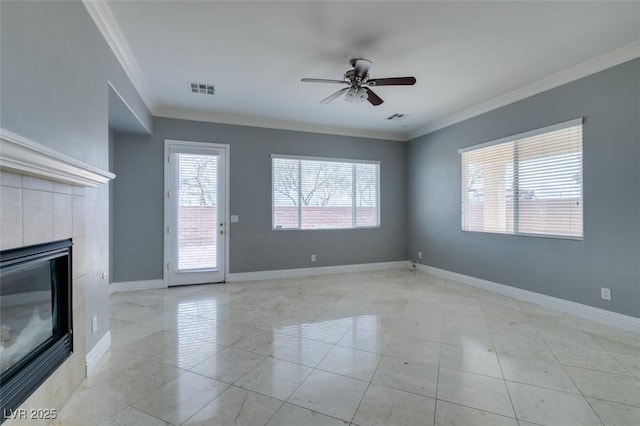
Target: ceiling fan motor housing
[[352, 78]]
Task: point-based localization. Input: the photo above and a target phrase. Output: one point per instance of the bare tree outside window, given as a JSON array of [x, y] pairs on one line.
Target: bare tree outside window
[[198, 180], [366, 185], [322, 181], [318, 194]]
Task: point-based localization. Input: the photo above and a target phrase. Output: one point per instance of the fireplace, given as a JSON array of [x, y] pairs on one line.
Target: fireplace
[[35, 318]]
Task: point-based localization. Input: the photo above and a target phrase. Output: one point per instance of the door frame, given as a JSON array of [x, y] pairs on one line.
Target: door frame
[[227, 150]]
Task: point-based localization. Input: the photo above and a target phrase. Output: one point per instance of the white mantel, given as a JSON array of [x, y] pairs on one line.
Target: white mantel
[[21, 155], [43, 199]]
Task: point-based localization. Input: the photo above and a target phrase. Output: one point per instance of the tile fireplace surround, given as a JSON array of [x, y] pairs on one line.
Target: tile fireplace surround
[[42, 200]]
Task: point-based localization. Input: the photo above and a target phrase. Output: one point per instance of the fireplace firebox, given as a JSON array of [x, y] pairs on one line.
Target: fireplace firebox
[[36, 333]]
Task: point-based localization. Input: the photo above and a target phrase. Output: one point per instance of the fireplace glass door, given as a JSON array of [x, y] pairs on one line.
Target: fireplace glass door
[[27, 312], [35, 317]]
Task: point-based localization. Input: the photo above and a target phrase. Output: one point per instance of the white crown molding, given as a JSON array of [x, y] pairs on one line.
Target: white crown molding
[[600, 63], [242, 120], [23, 155], [102, 16], [308, 272], [612, 319], [106, 23], [99, 350]]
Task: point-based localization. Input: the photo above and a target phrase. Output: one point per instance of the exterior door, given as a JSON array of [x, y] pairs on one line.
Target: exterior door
[[196, 213]]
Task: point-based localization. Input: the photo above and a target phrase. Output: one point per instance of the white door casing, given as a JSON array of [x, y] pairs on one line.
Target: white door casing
[[196, 218]]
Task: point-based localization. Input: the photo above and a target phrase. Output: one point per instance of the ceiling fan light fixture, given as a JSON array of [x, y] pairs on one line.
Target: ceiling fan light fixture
[[356, 95]]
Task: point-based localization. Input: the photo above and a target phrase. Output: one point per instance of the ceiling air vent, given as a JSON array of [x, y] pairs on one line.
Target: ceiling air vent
[[205, 89], [397, 117]]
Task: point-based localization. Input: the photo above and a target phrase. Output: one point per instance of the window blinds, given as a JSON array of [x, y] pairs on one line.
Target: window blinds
[[527, 184], [197, 211], [313, 193]]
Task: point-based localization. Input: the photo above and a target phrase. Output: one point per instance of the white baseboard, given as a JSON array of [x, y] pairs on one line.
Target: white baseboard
[[602, 316], [99, 350], [319, 270], [120, 287]]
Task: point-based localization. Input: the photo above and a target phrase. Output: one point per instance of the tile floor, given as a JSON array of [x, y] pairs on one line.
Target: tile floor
[[390, 347]]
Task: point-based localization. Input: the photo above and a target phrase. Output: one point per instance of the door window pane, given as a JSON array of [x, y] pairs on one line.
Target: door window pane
[[197, 211]]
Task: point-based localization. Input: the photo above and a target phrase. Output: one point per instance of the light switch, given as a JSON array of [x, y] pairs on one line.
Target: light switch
[[234, 218]]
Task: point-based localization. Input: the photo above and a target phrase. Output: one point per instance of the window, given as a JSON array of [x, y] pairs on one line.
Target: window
[[319, 193], [527, 184]]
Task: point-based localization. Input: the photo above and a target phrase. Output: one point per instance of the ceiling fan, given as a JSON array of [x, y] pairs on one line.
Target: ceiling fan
[[358, 84]]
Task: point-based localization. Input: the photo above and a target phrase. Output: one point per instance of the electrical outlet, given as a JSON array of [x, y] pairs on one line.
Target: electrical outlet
[[313, 257], [94, 324], [605, 293], [419, 255]]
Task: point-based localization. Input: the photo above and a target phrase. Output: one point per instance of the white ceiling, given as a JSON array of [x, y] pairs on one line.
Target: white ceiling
[[462, 54]]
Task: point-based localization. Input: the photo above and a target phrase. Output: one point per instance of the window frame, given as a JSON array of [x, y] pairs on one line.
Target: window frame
[[353, 162], [513, 138]]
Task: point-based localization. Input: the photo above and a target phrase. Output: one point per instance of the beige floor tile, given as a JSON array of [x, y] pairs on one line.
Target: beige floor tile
[[138, 381], [130, 416], [536, 372], [593, 360], [236, 406], [181, 398], [303, 351], [549, 407], [260, 341], [614, 414], [88, 407], [473, 390], [365, 340], [228, 365], [351, 362], [483, 362], [420, 329], [330, 331], [630, 362], [523, 346], [611, 387], [466, 338], [188, 354], [413, 349], [331, 394], [291, 415], [386, 406], [176, 352], [448, 414], [409, 376], [274, 377], [621, 343]]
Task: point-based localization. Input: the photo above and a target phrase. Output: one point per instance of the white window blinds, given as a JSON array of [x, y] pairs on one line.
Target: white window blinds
[[197, 210], [528, 184], [314, 193]]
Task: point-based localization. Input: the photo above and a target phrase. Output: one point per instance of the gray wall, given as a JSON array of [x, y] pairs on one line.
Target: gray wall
[[55, 69], [111, 184], [138, 200], [609, 255]]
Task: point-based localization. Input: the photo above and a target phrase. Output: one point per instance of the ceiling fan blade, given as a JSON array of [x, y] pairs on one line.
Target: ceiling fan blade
[[361, 67], [323, 80], [373, 99], [394, 81], [333, 96]]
